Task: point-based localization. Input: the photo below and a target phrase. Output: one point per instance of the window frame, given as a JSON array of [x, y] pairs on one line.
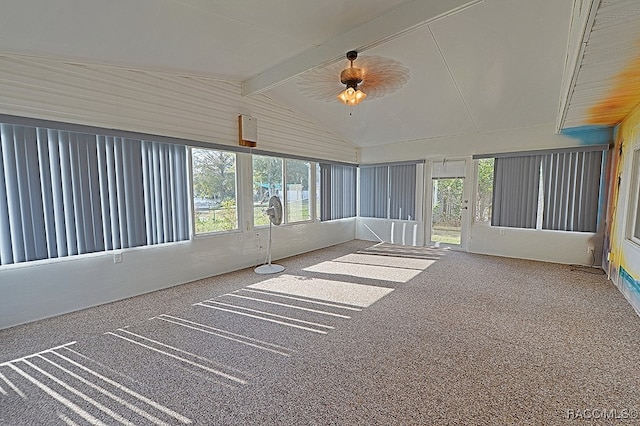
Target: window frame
[[633, 210], [237, 228], [474, 217], [282, 184], [312, 183], [310, 190], [342, 172], [388, 176], [582, 156], [107, 193]]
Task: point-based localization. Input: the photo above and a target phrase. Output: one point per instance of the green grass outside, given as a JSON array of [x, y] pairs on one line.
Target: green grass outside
[[447, 235], [216, 220]]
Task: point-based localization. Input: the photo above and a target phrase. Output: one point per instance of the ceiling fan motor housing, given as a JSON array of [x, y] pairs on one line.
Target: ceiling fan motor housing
[[351, 76]]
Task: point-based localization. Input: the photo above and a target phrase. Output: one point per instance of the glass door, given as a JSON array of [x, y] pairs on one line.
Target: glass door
[[446, 210], [449, 211]]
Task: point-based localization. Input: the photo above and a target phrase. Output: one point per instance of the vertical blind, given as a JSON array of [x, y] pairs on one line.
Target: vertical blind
[[571, 190], [568, 192], [65, 193], [402, 192], [388, 192], [337, 191], [515, 191], [374, 186]]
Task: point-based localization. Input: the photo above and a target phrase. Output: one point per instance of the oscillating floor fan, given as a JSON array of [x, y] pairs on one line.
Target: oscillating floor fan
[[274, 211]]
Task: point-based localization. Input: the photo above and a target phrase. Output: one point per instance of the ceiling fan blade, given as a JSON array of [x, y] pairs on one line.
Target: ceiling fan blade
[[322, 84], [382, 76]]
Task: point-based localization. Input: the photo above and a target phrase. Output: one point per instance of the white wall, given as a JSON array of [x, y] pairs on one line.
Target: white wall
[[536, 244], [405, 232], [525, 139]]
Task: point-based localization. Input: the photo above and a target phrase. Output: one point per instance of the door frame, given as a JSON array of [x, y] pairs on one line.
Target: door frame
[[467, 193]]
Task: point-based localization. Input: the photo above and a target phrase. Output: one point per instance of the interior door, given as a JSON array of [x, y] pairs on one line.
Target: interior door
[[449, 209]]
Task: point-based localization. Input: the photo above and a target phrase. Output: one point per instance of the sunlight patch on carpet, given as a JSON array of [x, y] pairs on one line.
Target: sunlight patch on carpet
[[374, 272], [327, 290], [389, 261]]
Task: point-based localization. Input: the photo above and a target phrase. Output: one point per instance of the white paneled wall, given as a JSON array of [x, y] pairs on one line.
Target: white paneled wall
[[187, 107]]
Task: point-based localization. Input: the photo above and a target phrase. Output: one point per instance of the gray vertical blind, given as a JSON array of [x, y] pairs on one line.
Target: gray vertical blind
[[388, 192], [374, 182], [337, 191], [571, 190], [402, 192], [65, 193], [515, 191]]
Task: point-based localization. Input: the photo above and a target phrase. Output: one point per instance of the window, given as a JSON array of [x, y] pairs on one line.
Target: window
[[267, 182], [388, 192], [318, 198], [66, 193], [337, 191], [484, 193], [634, 199], [214, 190], [552, 190], [298, 176]]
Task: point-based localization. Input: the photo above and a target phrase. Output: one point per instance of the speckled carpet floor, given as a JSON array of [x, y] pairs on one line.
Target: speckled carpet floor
[[354, 334]]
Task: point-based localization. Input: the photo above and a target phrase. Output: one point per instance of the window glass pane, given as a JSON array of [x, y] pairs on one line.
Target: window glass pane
[[214, 190], [267, 181], [298, 177], [318, 198], [446, 223], [484, 194]]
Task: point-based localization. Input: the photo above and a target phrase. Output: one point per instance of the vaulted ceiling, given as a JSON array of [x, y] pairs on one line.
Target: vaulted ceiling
[[476, 66]]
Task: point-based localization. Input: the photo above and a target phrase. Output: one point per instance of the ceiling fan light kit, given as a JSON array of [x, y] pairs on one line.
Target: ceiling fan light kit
[[351, 77], [351, 96]]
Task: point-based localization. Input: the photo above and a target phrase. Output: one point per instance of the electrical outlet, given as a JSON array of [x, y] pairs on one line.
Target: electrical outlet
[[591, 249], [257, 236], [117, 257]]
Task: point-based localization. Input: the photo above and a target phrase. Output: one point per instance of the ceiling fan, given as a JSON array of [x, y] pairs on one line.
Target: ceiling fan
[[372, 77]]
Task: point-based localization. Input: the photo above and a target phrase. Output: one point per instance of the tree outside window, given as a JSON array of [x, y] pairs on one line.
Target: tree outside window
[[484, 195], [214, 190]]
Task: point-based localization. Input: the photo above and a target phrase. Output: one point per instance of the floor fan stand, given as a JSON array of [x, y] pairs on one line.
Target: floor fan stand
[[269, 268]]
